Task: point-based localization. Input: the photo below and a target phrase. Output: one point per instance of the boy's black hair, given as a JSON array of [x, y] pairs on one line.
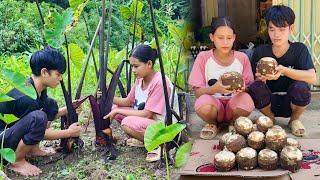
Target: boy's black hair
[[145, 53], [48, 58], [222, 21], [280, 16]]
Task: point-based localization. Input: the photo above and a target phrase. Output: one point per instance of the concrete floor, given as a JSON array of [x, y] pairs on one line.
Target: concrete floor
[[310, 119]]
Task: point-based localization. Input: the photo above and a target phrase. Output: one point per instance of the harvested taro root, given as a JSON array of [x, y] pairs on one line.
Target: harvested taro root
[[243, 126], [256, 140], [235, 142], [225, 160], [276, 138], [232, 79], [222, 141], [267, 65], [254, 127], [247, 158], [293, 142], [291, 158], [268, 159], [264, 123]]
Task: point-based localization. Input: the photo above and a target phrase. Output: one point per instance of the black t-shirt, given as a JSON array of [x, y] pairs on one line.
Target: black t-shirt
[[23, 104], [297, 57]]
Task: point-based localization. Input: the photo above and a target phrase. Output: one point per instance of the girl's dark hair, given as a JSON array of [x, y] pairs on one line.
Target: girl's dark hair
[[280, 15], [222, 21], [48, 58], [145, 53]]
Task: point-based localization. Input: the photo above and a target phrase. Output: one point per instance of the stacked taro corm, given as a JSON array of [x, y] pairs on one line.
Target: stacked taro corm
[[258, 145]]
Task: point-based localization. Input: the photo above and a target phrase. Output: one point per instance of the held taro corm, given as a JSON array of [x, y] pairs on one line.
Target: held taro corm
[[232, 79]]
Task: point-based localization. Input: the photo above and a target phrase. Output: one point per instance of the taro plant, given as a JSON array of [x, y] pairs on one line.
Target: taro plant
[[6, 153], [133, 12], [182, 154], [17, 80], [7, 118], [130, 177], [158, 134]]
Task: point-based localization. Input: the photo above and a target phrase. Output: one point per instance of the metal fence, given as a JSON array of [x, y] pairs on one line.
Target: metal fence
[[307, 25]]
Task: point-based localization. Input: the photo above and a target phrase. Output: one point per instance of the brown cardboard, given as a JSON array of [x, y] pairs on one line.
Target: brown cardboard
[[311, 164], [203, 152]]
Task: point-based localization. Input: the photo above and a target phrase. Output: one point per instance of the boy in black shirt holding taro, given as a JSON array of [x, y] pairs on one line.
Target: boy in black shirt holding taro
[[286, 93], [35, 115]]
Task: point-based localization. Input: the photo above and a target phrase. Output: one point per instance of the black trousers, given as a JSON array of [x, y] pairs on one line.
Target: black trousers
[[31, 129], [298, 94]]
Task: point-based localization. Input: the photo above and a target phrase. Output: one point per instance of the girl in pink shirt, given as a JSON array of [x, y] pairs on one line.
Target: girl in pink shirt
[[145, 102], [212, 105]]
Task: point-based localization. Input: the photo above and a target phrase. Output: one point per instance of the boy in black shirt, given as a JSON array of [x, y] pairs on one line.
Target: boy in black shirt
[[286, 93], [35, 115]]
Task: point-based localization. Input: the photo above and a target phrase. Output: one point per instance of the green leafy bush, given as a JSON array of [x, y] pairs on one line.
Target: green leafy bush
[[20, 28]]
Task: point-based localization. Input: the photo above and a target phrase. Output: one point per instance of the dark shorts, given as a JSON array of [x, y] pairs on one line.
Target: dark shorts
[[31, 129], [298, 94]]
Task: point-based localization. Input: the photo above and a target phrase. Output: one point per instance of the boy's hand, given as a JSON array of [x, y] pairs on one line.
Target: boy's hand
[[111, 114], [63, 111], [280, 71], [74, 129]]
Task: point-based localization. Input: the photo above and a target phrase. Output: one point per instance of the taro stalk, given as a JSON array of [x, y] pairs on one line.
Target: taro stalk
[[158, 134], [56, 27]]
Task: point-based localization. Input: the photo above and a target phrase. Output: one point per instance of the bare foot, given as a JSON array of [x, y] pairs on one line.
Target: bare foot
[[36, 151], [24, 168]]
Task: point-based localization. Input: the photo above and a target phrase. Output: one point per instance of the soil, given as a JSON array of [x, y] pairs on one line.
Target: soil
[[89, 163]]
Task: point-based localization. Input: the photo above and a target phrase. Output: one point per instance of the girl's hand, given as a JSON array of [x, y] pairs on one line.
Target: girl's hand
[[261, 77], [242, 89], [111, 114], [220, 88]]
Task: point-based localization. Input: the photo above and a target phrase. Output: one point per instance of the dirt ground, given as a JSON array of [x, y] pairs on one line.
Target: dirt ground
[[91, 164]]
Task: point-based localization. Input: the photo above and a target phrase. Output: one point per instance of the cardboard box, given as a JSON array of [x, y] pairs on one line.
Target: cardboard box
[[200, 164]]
